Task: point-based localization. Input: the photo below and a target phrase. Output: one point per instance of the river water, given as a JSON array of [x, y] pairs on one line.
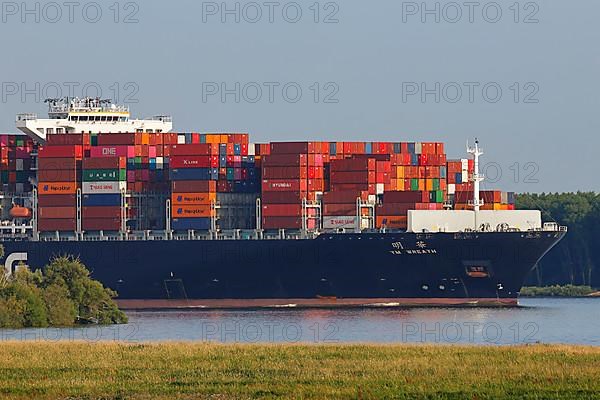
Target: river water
[[536, 320]]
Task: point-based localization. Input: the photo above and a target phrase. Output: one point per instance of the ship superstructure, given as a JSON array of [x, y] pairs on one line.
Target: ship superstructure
[[87, 115]]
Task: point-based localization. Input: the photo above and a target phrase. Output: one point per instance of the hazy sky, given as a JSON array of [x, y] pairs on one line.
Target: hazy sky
[[384, 70]]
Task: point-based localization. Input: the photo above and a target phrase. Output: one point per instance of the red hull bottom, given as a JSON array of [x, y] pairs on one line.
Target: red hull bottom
[[150, 304]]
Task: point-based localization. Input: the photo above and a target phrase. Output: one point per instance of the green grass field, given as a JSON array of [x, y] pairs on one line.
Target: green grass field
[[215, 371]]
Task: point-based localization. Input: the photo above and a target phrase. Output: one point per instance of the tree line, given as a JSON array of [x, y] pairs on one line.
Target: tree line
[[576, 259]]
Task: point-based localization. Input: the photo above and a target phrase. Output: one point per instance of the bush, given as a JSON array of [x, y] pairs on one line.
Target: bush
[[557, 291], [62, 295]]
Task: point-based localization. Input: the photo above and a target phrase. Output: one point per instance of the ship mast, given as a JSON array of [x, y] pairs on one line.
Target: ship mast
[[476, 178]]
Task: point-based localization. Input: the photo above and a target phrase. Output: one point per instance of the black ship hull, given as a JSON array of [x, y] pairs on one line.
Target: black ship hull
[[374, 269]]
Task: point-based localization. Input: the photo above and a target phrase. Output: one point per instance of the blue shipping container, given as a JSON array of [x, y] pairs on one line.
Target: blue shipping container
[[458, 177], [184, 224], [106, 200], [411, 147], [443, 172], [190, 174]]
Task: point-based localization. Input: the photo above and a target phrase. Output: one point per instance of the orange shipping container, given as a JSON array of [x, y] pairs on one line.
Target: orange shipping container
[[57, 187], [191, 211], [192, 198], [391, 221]]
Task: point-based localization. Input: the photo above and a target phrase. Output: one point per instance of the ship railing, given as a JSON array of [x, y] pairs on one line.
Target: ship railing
[[26, 117], [162, 118], [25, 233]]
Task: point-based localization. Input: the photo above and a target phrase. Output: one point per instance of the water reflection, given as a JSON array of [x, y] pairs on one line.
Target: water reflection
[[537, 320]]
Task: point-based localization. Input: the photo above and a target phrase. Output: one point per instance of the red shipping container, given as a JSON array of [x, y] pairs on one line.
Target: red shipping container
[[190, 161], [352, 177], [193, 186], [369, 187], [339, 209], [51, 225], [284, 160], [101, 224], [107, 139], [290, 147], [395, 208], [105, 163], [101, 212], [57, 200], [57, 175], [75, 151], [405, 197], [344, 196], [57, 212], [282, 210], [281, 223], [353, 164], [203, 149], [285, 172], [282, 197], [57, 163], [68, 139], [284, 185]]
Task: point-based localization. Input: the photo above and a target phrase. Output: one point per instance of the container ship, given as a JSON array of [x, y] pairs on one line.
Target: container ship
[[211, 220]]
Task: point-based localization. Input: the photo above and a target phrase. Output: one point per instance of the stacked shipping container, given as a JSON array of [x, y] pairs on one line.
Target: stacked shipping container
[[16, 163], [292, 172], [58, 182], [197, 171]]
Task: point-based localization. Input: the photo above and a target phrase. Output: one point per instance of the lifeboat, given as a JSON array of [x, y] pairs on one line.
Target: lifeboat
[[20, 212]]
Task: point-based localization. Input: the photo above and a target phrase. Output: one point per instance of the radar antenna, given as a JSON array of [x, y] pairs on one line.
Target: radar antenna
[[476, 151]]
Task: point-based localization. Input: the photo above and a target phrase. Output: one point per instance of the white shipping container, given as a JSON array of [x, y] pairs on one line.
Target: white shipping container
[[418, 148], [251, 149], [372, 198], [19, 164], [451, 188], [180, 139], [464, 163], [465, 177], [520, 219], [379, 188], [348, 222], [440, 220], [459, 220], [103, 187]]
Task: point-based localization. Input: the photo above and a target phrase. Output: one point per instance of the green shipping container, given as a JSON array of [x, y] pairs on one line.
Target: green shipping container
[[436, 184], [104, 175], [436, 196], [414, 184], [94, 139]]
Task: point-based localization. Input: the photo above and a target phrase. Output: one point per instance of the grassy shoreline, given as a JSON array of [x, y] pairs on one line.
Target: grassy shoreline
[[559, 291], [77, 370]]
